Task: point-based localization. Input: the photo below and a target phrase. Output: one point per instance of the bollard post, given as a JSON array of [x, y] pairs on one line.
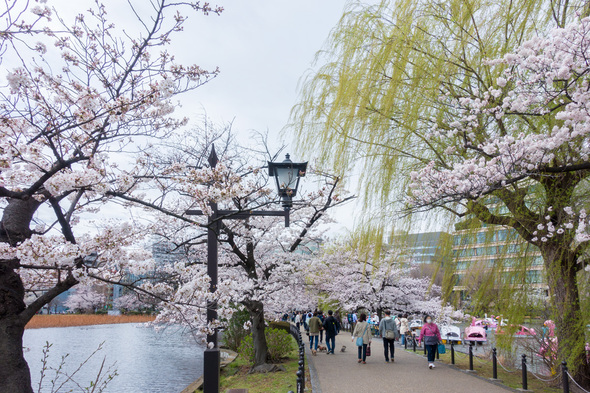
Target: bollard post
[[525, 385], [565, 381], [405, 342], [414, 343], [424, 345], [452, 352], [437, 355], [494, 364], [470, 357]]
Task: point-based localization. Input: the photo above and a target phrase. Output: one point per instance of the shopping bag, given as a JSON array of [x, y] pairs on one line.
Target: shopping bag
[[369, 350], [442, 349]]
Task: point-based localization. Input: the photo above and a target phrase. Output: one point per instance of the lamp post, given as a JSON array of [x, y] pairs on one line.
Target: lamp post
[[286, 174]]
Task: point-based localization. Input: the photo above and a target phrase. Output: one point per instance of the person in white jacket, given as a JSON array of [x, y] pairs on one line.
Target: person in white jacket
[[404, 327]]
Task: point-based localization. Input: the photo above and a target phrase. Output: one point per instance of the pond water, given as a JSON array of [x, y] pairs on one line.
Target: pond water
[[146, 360]]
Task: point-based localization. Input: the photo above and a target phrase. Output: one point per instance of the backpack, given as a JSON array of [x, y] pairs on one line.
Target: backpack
[[389, 333]]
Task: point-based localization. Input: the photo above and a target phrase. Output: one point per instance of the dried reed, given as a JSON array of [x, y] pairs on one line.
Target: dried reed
[[65, 320]]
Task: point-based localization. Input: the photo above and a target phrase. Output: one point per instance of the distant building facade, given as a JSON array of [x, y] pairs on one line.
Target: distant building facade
[[427, 248], [499, 248]]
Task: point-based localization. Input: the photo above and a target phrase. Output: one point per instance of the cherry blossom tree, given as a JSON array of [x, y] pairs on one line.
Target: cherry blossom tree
[[86, 299], [524, 143], [262, 265], [478, 112], [77, 97], [357, 279]]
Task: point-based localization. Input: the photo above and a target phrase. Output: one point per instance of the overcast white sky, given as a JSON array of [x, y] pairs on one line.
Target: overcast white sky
[[262, 48]]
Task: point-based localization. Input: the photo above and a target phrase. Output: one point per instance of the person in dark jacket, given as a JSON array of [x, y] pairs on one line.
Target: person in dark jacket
[[322, 318], [332, 328]]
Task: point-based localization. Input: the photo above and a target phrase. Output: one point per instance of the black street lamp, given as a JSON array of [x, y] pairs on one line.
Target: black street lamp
[[287, 176]]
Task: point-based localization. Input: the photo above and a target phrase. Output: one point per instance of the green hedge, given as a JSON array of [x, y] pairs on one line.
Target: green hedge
[[234, 332], [281, 325], [280, 344]]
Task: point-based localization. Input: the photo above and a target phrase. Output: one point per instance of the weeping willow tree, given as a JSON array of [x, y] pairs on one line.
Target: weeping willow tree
[[410, 92]]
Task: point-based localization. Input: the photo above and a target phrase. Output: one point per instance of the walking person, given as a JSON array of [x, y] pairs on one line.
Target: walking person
[[306, 321], [354, 321], [332, 328], [431, 336], [388, 330], [314, 331], [404, 327], [362, 332], [322, 318], [298, 320]]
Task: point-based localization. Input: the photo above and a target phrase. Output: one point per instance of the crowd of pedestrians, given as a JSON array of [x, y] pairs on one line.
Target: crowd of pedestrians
[[364, 327]]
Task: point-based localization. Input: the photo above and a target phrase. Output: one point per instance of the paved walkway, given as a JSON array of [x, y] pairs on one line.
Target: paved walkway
[[340, 373]]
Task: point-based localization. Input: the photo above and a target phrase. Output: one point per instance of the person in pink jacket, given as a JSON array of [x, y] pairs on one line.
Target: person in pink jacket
[[431, 336]]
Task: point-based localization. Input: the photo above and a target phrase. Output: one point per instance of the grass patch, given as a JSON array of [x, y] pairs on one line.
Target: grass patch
[[484, 369], [235, 376], [65, 320]]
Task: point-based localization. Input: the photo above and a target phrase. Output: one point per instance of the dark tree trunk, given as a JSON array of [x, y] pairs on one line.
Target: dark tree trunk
[[16, 220], [570, 327], [15, 376], [256, 310]]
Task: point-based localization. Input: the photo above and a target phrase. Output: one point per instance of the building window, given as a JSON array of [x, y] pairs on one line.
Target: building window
[[481, 237]]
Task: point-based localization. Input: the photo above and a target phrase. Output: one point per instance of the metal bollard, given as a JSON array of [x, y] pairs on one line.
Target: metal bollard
[[424, 345], [565, 380], [300, 385], [414, 343], [437, 355], [405, 342], [525, 385], [470, 357], [494, 364], [452, 352]]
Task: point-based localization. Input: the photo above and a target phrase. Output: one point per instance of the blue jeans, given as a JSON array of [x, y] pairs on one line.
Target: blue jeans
[[431, 352], [403, 339], [363, 350], [330, 342], [311, 340]]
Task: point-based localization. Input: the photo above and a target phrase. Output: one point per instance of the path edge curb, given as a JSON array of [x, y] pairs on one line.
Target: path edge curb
[[313, 374]]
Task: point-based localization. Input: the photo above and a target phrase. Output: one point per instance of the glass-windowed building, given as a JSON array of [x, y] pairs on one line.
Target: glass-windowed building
[[427, 247], [496, 247]]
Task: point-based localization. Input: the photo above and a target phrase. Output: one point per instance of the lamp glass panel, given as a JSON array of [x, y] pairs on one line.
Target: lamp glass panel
[[287, 178]]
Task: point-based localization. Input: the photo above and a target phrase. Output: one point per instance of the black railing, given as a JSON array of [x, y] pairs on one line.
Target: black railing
[[296, 333], [565, 376]]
